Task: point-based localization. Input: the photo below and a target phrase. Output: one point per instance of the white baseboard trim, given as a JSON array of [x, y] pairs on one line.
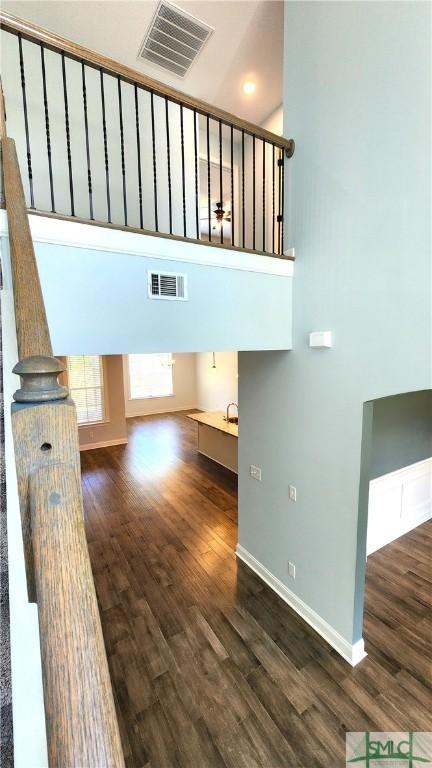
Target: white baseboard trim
[[102, 444], [398, 502], [352, 653], [184, 409]]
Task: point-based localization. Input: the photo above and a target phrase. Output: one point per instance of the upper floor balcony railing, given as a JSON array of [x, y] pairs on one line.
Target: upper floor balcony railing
[[101, 143]]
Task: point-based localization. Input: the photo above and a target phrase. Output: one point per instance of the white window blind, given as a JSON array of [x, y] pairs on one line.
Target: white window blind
[[85, 377], [150, 375]]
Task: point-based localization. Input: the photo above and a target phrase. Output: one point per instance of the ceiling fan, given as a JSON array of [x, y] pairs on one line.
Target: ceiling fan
[[219, 215]]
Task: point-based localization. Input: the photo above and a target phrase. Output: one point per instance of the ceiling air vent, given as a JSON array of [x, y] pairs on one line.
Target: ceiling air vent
[[174, 39], [167, 285]]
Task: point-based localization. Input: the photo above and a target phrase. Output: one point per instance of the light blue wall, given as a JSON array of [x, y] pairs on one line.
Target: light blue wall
[[357, 102], [97, 303], [402, 432]]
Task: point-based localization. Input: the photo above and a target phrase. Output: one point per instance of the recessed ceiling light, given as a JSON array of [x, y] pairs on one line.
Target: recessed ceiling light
[[249, 87]]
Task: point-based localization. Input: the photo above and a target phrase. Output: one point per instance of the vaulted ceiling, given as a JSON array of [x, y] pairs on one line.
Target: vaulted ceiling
[[246, 44]]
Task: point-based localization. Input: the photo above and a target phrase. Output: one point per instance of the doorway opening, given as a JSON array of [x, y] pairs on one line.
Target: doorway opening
[[394, 565]]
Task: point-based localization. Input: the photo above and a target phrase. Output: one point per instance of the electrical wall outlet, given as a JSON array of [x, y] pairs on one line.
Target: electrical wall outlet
[[293, 493], [291, 570], [255, 472]]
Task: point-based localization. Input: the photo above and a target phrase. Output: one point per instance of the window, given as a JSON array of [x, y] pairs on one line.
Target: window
[[85, 377], [150, 375]]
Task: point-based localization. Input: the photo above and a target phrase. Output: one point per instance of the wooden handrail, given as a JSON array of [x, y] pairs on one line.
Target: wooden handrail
[[82, 728], [81, 719], [32, 32], [30, 317], [31, 322]]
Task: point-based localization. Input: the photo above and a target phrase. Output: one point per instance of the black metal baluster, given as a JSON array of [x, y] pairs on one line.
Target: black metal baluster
[[154, 161], [208, 178], [282, 199], [279, 218], [264, 194], [196, 176], [47, 128], [123, 166], [232, 185], [105, 138], [220, 175], [183, 169], [68, 143], [253, 193], [138, 140], [89, 177], [273, 198], [168, 165], [26, 125]]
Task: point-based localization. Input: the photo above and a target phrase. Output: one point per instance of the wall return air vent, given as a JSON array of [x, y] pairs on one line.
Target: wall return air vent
[[167, 285], [174, 39]]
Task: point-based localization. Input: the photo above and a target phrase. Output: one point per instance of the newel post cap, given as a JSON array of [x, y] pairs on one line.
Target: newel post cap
[[290, 148], [39, 380]]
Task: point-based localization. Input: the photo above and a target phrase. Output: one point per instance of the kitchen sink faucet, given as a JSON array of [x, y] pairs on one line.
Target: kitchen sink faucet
[[228, 409]]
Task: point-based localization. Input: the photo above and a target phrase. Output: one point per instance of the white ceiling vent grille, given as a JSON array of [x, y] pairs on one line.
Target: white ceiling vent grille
[[174, 39], [167, 285]]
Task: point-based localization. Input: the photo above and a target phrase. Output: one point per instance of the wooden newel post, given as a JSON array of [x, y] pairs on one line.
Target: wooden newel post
[[37, 438], [82, 727], [39, 380]]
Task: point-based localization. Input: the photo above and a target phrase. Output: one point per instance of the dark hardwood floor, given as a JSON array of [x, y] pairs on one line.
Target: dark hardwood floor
[[209, 666]]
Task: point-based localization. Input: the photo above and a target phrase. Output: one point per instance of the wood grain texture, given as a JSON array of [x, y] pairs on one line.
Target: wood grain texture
[[79, 706], [54, 42], [209, 666], [35, 426], [82, 728], [31, 323]]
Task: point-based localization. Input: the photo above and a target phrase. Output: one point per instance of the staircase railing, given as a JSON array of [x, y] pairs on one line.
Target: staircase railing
[[81, 721], [100, 142]]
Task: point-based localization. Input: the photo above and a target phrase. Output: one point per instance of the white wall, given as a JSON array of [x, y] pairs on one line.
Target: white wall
[[357, 102], [106, 309], [274, 122], [271, 228], [398, 502], [196, 385], [216, 387], [27, 693], [184, 385]]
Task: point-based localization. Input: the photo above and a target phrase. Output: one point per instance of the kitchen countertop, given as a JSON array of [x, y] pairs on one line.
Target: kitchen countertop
[[216, 420]]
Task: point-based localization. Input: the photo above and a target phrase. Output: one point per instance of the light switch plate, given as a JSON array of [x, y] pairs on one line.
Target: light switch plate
[[293, 493]]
